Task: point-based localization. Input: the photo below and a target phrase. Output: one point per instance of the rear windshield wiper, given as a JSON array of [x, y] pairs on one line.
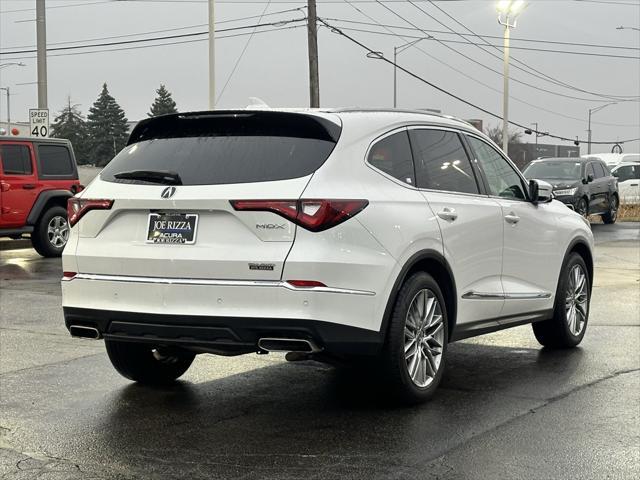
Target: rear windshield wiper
[[155, 176]]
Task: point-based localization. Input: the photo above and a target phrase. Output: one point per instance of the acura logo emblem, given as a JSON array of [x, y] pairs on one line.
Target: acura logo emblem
[[168, 192]]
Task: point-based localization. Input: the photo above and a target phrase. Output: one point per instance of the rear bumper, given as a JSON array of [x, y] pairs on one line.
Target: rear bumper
[[223, 335], [222, 315]]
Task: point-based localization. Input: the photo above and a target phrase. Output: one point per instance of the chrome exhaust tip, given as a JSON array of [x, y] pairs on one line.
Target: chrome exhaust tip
[[80, 331], [288, 345]]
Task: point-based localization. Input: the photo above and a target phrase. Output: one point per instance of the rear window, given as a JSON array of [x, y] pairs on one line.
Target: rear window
[[55, 161], [214, 149]]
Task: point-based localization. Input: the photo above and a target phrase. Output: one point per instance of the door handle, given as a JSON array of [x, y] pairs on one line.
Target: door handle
[[512, 218], [448, 214], [28, 186]]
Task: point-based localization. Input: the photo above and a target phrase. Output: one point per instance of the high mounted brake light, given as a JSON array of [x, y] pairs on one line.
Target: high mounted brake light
[[314, 215], [78, 207]]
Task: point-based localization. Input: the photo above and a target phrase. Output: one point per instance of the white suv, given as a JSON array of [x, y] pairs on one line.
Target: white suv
[[338, 235]]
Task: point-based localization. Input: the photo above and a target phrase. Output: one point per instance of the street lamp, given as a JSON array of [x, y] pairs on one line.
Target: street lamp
[[396, 51], [508, 11], [591, 111]]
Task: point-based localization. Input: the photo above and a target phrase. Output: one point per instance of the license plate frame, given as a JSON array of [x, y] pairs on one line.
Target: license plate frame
[[172, 228]]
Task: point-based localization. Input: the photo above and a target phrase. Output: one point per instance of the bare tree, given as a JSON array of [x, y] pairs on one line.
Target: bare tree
[[495, 134]]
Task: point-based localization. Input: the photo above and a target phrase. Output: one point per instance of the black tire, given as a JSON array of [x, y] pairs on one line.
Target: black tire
[[394, 364], [612, 215], [582, 207], [145, 363], [46, 243], [557, 332]]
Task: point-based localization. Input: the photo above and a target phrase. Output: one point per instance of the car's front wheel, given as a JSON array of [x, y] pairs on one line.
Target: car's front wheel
[[582, 207], [146, 363], [612, 215], [571, 312], [414, 354]]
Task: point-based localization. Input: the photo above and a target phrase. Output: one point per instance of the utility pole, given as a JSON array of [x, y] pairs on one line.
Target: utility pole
[[536, 124], [312, 35], [41, 37], [212, 56]]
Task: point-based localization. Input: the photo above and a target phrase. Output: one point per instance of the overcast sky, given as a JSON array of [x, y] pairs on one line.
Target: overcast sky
[[274, 65]]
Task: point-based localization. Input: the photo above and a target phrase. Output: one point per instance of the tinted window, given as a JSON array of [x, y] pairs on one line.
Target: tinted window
[[392, 155], [502, 178], [227, 148], [441, 161], [600, 170], [16, 159], [629, 172], [55, 160], [561, 170], [590, 171]]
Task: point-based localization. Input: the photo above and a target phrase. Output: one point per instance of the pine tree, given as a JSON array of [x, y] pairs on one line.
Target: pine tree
[[163, 104], [107, 127], [70, 124]]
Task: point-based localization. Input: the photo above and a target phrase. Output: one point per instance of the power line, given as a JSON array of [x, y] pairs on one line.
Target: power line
[[486, 66], [168, 37], [338, 31], [246, 45], [453, 32], [473, 79], [291, 27], [538, 74], [128, 35]]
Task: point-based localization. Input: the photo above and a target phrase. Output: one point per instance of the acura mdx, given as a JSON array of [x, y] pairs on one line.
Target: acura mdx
[[347, 236]]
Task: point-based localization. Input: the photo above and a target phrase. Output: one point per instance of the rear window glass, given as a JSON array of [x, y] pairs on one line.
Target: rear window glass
[[225, 149], [16, 160], [55, 161], [392, 155]]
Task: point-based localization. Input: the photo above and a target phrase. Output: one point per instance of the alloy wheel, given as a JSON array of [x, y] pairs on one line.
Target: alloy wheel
[[577, 299], [613, 209], [58, 231], [423, 338], [581, 208]]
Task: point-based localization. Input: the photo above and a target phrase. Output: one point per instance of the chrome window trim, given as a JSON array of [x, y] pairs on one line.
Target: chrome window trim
[[472, 295], [406, 185], [212, 282]]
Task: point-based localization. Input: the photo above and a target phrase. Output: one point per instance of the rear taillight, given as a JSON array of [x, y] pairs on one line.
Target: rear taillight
[[313, 215], [77, 207]]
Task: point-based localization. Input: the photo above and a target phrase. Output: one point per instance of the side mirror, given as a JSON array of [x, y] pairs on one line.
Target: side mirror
[[540, 191], [589, 179]]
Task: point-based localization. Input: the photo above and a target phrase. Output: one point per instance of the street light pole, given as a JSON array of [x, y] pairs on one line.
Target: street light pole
[[508, 11], [505, 95], [8, 109], [41, 40], [212, 55], [395, 77], [592, 111]]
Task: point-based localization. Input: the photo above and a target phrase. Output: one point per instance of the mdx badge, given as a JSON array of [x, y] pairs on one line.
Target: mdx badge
[[270, 226], [261, 266]]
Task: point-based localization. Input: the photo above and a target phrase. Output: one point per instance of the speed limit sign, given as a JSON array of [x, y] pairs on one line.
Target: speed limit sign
[[39, 122]]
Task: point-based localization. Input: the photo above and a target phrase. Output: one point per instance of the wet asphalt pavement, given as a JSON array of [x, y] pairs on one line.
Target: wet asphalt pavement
[[506, 408]]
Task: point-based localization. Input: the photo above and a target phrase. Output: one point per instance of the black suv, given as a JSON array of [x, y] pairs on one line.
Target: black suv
[[584, 184]]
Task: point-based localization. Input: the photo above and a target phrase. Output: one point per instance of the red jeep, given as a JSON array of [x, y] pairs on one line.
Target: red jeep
[[37, 176]]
